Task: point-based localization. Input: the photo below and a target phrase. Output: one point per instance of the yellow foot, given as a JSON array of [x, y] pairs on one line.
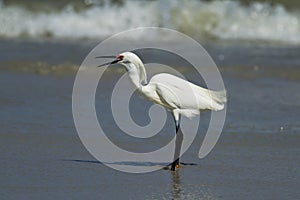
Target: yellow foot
[[177, 166]]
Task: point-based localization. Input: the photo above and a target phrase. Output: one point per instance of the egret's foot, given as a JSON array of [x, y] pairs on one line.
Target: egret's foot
[[178, 165], [175, 166]]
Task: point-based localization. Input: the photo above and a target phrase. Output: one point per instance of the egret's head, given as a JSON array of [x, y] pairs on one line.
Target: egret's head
[[125, 58], [131, 62]]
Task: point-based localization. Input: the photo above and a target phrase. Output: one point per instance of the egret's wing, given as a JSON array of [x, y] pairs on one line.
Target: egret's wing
[[175, 92], [180, 93]]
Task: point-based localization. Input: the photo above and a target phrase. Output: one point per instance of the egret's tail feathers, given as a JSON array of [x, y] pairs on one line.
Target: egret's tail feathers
[[218, 99], [220, 96]]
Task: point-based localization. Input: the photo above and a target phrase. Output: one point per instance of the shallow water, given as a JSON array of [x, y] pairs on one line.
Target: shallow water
[[42, 156]]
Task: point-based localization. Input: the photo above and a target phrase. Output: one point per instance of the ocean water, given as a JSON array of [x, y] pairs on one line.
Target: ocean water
[[275, 21], [255, 46]]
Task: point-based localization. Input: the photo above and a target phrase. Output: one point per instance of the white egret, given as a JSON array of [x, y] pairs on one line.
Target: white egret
[[177, 95]]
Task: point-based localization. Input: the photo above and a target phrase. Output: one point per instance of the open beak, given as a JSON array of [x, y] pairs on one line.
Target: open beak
[[116, 61], [109, 63]]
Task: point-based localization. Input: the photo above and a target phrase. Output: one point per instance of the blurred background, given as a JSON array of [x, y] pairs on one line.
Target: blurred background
[[256, 46], [273, 21]]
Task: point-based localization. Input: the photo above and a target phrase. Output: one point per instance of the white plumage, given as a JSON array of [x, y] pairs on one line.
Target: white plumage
[[177, 95], [173, 92]]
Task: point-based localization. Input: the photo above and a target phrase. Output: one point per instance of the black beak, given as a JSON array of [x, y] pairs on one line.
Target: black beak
[[105, 57], [109, 63], [104, 64], [115, 61]]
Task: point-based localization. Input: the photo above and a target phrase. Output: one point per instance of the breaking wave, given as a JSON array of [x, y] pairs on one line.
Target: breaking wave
[[226, 20]]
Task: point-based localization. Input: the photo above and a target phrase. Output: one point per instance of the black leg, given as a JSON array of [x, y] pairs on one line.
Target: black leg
[[178, 144]]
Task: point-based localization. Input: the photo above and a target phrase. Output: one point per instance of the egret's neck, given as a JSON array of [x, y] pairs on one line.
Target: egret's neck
[[137, 74]]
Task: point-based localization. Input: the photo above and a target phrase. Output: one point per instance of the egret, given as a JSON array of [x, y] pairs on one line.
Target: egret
[[177, 95]]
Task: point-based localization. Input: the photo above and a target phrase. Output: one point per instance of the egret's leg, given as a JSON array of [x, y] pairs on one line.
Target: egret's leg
[[178, 144]]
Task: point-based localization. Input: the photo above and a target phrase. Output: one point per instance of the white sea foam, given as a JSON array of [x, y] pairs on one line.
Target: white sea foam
[[94, 22], [214, 19]]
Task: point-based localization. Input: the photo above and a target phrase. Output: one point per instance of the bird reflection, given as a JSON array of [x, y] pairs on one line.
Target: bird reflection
[[177, 187]]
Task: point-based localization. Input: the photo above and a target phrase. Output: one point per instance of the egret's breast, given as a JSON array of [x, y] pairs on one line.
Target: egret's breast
[[150, 93]]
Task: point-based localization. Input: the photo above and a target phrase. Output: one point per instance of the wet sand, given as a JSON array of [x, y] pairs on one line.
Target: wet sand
[[57, 166]]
